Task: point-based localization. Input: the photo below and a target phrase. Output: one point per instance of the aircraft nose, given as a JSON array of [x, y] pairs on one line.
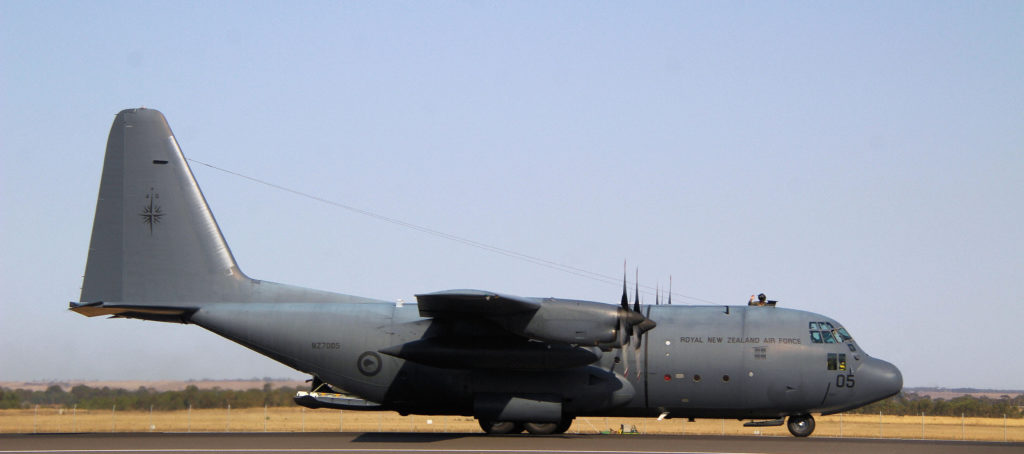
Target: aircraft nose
[[881, 378]]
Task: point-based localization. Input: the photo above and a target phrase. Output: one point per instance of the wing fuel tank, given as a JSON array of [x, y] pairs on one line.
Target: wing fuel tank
[[493, 354]]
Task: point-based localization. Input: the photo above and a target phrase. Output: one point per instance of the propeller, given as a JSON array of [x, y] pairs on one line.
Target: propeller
[[640, 323], [632, 323]]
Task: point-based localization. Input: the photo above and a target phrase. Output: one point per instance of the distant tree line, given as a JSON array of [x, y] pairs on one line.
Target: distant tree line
[[904, 404], [85, 397], [141, 399]]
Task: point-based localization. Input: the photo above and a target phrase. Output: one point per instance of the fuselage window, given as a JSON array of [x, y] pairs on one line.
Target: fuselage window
[[831, 361], [844, 335], [842, 361]]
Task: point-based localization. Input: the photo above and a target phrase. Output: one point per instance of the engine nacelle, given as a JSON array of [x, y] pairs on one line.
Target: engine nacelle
[[568, 321]]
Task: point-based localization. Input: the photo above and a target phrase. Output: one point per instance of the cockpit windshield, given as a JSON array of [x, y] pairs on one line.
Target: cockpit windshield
[[824, 332]]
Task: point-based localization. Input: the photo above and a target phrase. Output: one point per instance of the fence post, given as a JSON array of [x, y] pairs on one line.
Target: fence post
[[151, 426], [264, 417], [879, 424], [190, 417], [303, 419], [922, 425], [35, 416], [963, 433], [380, 422], [341, 420], [74, 420], [227, 427], [113, 410], [1004, 427]]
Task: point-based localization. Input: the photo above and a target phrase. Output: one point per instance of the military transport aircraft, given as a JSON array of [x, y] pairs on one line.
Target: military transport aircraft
[[511, 362]]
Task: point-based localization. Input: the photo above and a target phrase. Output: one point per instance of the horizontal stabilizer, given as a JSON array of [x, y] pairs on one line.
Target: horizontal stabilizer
[[176, 314], [463, 303], [334, 400]]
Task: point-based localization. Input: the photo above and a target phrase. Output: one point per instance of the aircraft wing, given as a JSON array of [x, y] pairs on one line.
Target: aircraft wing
[[477, 329], [474, 303]]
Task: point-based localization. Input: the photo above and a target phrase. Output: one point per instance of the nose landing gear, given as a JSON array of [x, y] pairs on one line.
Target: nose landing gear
[[800, 425]]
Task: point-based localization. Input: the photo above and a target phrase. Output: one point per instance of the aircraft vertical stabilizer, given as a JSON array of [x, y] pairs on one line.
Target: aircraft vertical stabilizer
[[154, 238]]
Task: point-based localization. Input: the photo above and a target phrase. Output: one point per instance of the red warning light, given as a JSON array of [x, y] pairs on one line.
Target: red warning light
[[668, 377]]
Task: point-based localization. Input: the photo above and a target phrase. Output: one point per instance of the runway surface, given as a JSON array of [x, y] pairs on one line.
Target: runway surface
[[284, 443]]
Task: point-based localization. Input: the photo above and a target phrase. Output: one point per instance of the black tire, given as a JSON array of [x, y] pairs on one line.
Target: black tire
[[563, 426], [801, 425], [541, 428], [500, 427]]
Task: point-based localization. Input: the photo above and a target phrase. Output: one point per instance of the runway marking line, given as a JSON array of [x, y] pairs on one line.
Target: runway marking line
[[559, 451]]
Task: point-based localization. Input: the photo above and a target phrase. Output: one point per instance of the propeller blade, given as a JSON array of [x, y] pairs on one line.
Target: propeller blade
[[625, 299], [636, 299], [669, 289]]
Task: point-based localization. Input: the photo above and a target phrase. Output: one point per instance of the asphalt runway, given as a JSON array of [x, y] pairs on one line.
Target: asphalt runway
[[151, 443]]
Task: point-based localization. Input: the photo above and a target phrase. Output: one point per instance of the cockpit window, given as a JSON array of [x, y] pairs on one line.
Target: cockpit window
[[826, 333], [828, 337]]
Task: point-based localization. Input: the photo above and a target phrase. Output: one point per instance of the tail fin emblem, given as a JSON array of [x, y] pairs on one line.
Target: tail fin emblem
[[151, 213]]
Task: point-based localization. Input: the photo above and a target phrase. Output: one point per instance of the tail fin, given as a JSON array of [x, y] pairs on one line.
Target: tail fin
[[154, 239], [156, 251]]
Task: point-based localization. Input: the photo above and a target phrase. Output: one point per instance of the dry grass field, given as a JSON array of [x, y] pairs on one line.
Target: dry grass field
[[298, 419]]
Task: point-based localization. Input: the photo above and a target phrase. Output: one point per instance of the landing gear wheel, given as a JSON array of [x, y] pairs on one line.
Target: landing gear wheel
[[563, 426], [801, 425], [541, 428], [500, 427]]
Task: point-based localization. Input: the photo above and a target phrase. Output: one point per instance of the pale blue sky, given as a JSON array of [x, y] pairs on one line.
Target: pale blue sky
[[860, 160]]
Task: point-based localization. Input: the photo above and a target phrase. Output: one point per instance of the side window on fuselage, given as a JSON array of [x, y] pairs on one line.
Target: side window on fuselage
[[831, 361]]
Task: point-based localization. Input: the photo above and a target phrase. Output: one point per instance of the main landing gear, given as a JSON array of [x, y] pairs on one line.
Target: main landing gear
[[800, 425], [534, 428]]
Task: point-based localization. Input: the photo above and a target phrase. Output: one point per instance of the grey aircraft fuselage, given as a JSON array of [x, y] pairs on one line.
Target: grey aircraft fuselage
[[746, 362], [157, 254]]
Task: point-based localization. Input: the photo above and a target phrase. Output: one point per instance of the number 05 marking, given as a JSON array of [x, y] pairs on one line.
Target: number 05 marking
[[845, 381]]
